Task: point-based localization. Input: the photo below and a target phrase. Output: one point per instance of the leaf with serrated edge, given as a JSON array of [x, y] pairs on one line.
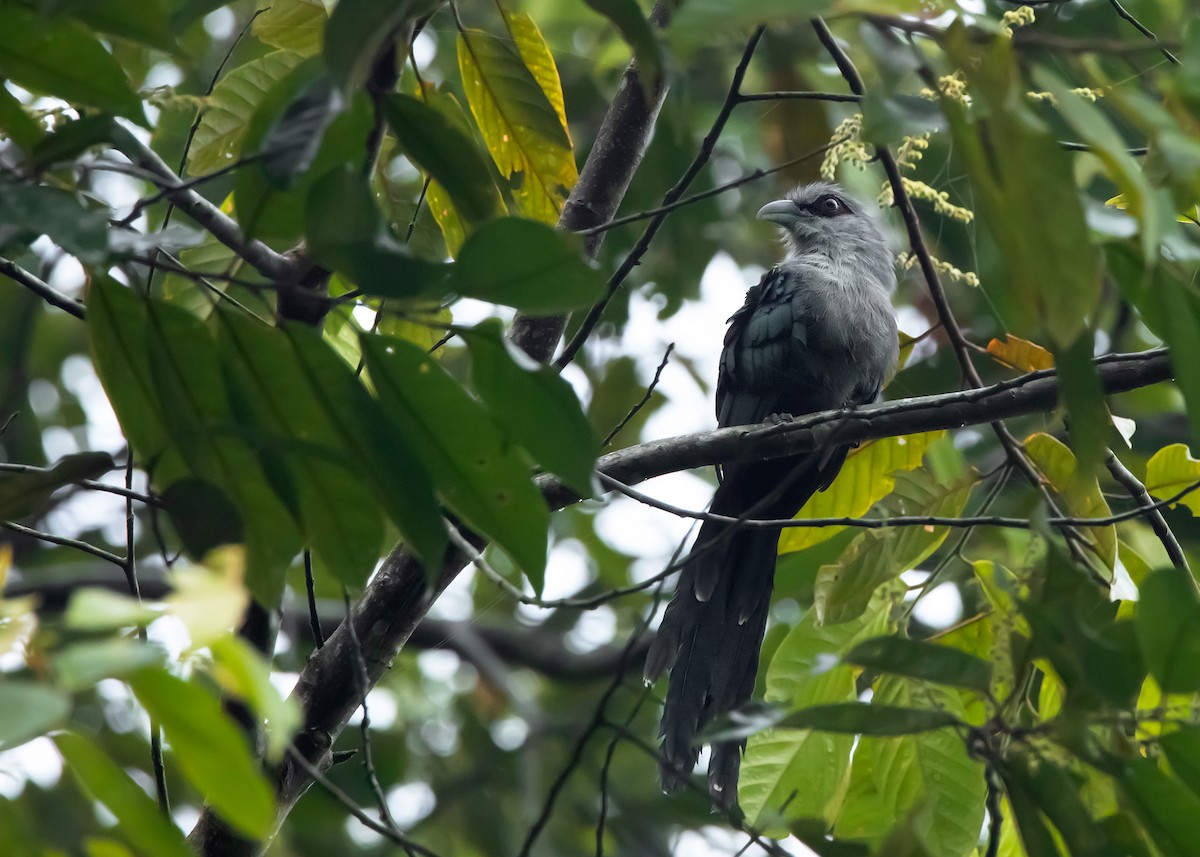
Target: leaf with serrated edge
[[865, 479]]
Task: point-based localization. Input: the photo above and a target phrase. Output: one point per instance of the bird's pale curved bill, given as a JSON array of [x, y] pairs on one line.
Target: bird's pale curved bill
[[781, 211]]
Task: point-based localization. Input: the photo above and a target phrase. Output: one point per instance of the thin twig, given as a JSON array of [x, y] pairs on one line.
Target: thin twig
[[633, 412], [44, 291], [796, 95], [64, 542], [1143, 29], [1154, 516], [314, 620]]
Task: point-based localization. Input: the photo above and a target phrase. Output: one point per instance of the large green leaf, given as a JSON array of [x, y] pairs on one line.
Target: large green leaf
[[360, 31], [142, 21], [922, 660], [890, 777], [535, 404], [242, 671], [804, 772], [527, 265], [447, 154], [339, 519], [1168, 626], [61, 58], [1169, 811], [637, 32], [862, 718], [28, 210], [481, 475], [29, 709], [218, 140], [210, 750], [17, 124], [876, 556], [138, 817], [159, 367], [866, 478], [522, 127], [1171, 470], [291, 25]]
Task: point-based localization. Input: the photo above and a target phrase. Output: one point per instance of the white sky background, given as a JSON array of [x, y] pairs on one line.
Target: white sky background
[[697, 330]]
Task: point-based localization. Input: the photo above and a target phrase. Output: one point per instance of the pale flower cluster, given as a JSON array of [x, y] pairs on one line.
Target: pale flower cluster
[[940, 199], [907, 260], [1022, 16], [848, 148]]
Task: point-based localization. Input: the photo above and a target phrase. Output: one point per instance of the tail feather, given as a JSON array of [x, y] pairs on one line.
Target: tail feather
[[712, 631]]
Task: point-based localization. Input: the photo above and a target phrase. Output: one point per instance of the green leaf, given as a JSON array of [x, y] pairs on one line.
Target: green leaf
[[1169, 812], [481, 476], [866, 478], [138, 817], [29, 709], [242, 671], [876, 556], [1168, 629], [1051, 282], [861, 718], [448, 155], [533, 402], [95, 609], [209, 750], [339, 519], [1182, 749], [1058, 795], [82, 665], [62, 59], [359, 31], [527, 265], [16, 124], [1178, 306], [24, 493], [806, 771], [218, 140], [1080, 492], [203, 515], [927, 778], [1171, 470], [28, 210], [522, 127], [356, 244], [291, 25], [160, 370], [637, 32], [292, 143], [400, 478], [143, 21], [1087, 414], [922, 660]]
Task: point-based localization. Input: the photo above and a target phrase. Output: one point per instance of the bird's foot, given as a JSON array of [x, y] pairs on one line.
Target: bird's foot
[[778, 419]]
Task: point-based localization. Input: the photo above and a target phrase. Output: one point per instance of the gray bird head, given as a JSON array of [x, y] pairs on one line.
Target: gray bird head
[[822, 218]]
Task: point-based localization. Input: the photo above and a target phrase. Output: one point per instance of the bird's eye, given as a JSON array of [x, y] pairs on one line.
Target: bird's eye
[[828, 206]]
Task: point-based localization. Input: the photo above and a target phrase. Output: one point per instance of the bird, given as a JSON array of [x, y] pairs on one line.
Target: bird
[[817, 333]]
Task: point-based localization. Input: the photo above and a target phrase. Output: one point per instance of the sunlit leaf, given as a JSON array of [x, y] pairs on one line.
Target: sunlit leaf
[[865, 479], [82, 665], [209, 749], [218, 140], [1020, 353], [1172, 470], [523, 129], [291, 25], [1080, 495], [138, 817]]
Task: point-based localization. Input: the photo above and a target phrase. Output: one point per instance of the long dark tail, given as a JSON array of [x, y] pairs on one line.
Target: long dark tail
[[713, 628]]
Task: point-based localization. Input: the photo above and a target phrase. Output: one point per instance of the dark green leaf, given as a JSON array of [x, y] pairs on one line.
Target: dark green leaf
[[1182, 749], [400, 479], [447, 154], [1087, 416], [637, 32], [1168, 629], [868, 719], [210, 750], [80, 666], [929, 661], [741, 723], [1179, 308], [339, 519], [1058, 795], [138, 816], [28, 709], [62, 59], [1169, 812], [527, 265], [291, 145], [142, 21], [203, 516], [28, 210], [535, 404], [356, 244], [16, 124], [358, 33], [477, 471], [24, 493]]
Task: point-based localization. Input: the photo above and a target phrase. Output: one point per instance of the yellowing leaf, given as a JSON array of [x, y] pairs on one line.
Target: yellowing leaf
[[1020, 353], [447, 218], [1191, 214], [422, 323], [210, 600], [537, 58], [1081, 496], [521, 125], [866, 478], [1169, 471]]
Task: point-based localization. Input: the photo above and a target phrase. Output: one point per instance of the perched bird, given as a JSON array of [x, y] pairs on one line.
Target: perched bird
[[816, 333]]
